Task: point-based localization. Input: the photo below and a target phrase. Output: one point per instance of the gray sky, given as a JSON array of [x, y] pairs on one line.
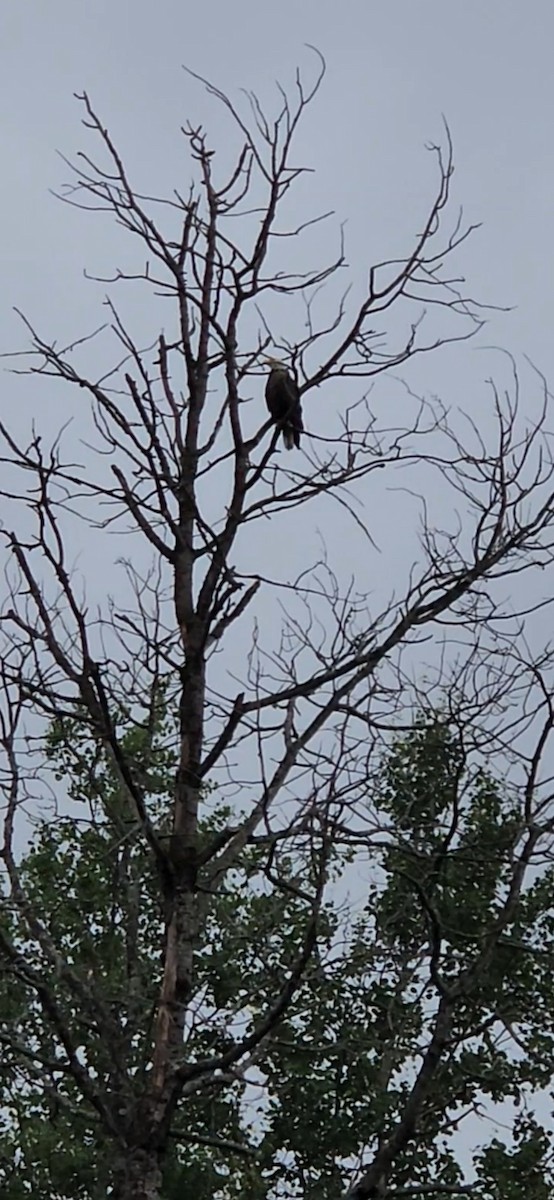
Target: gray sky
[[393, 69]]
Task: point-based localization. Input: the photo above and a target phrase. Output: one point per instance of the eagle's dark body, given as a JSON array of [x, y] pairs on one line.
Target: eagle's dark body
[[283, 401]]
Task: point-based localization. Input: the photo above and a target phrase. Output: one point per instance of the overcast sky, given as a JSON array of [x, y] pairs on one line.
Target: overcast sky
[[393, 69]]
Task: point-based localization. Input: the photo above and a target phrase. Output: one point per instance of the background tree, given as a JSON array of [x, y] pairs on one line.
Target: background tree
[[338, 1067], [169, 951]]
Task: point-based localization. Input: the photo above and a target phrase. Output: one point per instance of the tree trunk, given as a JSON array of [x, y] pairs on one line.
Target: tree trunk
[[140, 1177]]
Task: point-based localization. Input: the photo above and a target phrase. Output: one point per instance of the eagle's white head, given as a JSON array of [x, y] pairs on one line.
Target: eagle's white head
[[276, 364]]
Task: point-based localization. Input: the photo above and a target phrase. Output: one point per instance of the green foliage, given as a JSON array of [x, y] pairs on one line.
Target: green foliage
[[523, 1171], [336, 1075]]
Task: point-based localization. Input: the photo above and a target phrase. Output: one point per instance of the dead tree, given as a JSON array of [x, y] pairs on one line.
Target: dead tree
[[187, 463]]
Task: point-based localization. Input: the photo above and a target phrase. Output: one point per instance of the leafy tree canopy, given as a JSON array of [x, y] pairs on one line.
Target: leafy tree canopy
[[337, 1073]]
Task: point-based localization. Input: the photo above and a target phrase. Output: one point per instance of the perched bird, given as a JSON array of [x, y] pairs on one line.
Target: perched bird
[[282, 397]]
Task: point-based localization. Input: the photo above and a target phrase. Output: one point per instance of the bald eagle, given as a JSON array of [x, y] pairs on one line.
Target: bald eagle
[[283, 401]]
